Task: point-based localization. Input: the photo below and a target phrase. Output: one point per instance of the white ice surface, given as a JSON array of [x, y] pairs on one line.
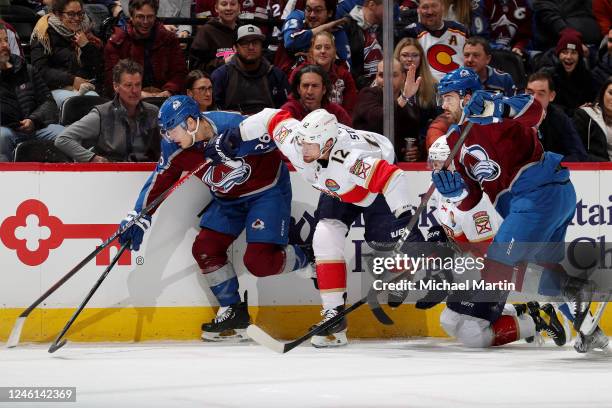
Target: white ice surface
[[399, 373]]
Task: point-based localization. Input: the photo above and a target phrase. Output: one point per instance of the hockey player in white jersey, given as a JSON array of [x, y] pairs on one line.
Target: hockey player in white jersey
[[355, 172], [476, 228]]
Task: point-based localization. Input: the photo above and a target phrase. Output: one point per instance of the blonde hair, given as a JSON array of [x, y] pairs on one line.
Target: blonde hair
[[312, 43], [462, 9], [426, 95]]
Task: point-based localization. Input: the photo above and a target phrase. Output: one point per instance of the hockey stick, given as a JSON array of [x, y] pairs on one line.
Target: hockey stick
[[261, 337], [372, 297], [13, 339], [59, 342]]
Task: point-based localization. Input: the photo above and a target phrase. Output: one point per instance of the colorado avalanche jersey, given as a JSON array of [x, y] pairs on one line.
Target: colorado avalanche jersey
[[443, 47], [494, 156], [257, 169], [359, 166]]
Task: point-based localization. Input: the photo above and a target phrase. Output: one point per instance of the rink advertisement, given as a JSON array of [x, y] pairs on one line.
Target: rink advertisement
[[52, 216]]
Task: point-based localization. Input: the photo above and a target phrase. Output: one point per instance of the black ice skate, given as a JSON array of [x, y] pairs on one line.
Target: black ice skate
[[578, 293], [549, 324], [595, 341], [334, 336], [230, 323]]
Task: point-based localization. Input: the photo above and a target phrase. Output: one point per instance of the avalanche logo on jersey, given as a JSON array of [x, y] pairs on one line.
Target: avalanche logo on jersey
[[478, 165], [223, 177]]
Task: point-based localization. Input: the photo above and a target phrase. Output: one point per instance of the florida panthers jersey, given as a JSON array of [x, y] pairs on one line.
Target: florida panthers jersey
[[443, 47], [478, 224], [359, 166], [257, 170], [494, 156]]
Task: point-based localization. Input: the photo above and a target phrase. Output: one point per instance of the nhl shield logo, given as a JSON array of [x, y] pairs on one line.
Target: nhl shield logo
[[223, 177]]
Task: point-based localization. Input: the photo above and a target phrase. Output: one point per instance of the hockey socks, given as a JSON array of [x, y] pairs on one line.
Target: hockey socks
[[224, 285], [332, 283]]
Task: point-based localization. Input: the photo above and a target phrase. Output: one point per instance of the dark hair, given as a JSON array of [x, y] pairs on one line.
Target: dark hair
[[126, 66], [477, 40], [600, 100], [58, 6], [330, 6], [542, 76], [3, 27], [194, 76], [137, 4], [315, 69]]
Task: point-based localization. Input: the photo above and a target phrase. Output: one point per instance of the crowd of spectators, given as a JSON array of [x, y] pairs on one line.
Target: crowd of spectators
[[298, 55]]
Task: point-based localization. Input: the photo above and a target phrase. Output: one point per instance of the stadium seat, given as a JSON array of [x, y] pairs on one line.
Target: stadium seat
[[155, 100], [22, 18], [75, 107], [37, 150]]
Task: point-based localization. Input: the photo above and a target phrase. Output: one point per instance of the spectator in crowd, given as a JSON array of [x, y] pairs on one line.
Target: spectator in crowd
[[364, 34], [146, 41], [573, 82], [299, 28], [602, 11], [13, 39], [556, 132], [65, 51], [213, 44], [248, 83], [260, 10], [442, 40], [310, 90], [603, 66], [409, 52], [124, 129], [27, 107], [369, 113], [553, 16], [323, 53], [477, 55], [594, 125], [199, 87], [509, 24]]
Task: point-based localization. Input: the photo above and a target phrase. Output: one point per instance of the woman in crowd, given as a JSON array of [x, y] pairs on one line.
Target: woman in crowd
[[594, 125], [409, 52], [65, 52], [322, 52], [199, 87], [214, 41]]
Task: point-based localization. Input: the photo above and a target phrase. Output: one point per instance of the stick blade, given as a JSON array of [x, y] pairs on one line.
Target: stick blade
[[13, 339], [56, 346], [264, 339]]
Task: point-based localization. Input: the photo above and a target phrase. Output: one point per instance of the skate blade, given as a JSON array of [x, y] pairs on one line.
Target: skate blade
[[228, 336], [333, 340]]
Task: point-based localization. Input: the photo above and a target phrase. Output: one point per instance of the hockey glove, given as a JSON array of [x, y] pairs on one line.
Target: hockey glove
[[450, 184], [484, 108], [223, 147], [134, 233]]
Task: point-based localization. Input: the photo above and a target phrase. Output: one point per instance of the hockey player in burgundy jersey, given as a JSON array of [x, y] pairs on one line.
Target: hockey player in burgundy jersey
[[529, 188], [355, 172], [252, 192]]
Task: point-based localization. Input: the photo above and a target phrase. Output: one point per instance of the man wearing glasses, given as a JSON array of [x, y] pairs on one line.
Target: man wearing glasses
[[146, 41], [299, 28]]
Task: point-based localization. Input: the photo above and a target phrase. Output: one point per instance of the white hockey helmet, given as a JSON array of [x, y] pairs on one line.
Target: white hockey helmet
[[438, 152], [318, 127]]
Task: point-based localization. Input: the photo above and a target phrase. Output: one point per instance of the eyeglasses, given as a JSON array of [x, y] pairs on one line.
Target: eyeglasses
[[413, 55], [316, 10], [203, 89], [73, 14], [143, 17]]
